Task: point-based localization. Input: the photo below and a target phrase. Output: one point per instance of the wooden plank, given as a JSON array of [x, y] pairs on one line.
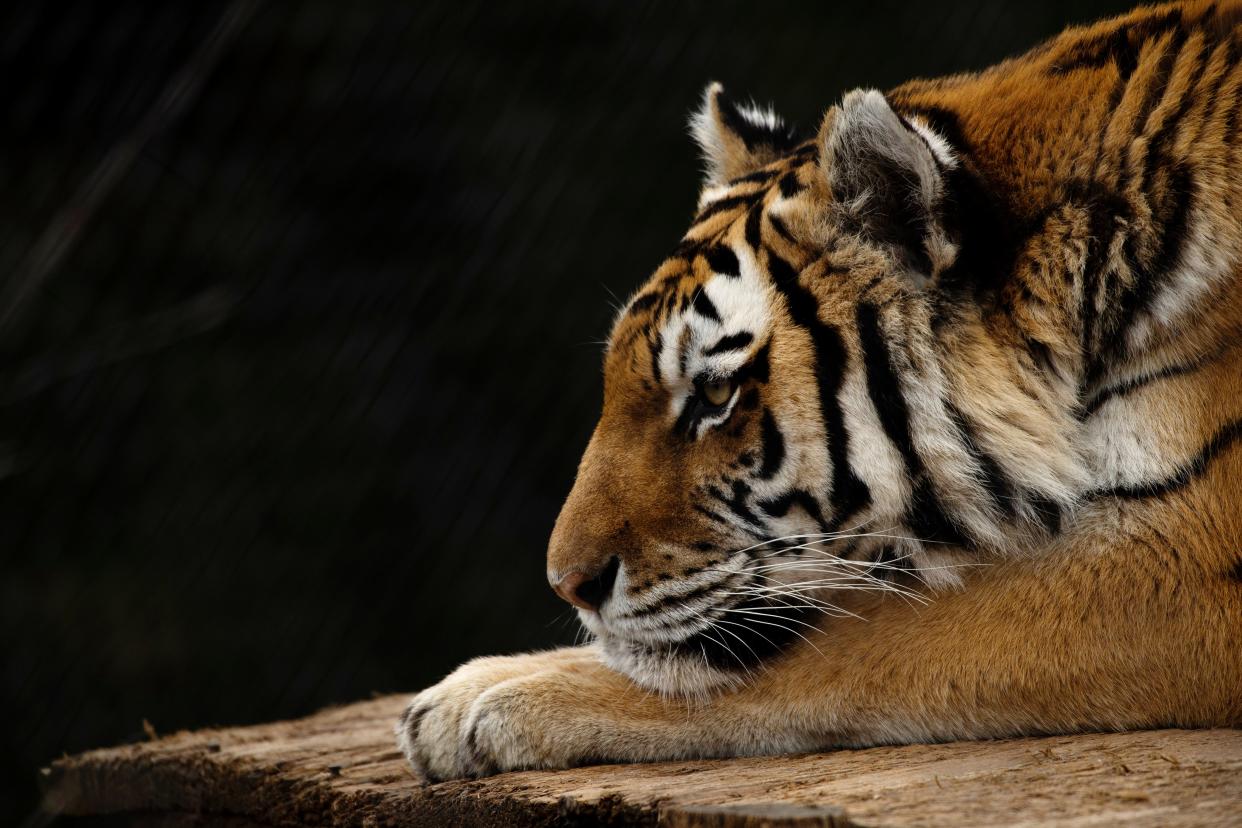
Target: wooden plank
[[765, 815], [340, 767]]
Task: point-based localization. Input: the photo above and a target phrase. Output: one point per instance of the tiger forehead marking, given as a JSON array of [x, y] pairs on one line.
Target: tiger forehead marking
[[708, 308]]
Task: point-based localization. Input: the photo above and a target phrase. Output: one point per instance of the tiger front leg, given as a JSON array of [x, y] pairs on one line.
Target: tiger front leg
[[565, 708]]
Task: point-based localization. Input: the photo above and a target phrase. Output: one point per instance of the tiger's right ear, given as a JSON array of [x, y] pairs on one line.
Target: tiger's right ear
[[736, 138]]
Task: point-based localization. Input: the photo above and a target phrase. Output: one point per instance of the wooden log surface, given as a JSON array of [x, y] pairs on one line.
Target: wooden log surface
[[340, 767]]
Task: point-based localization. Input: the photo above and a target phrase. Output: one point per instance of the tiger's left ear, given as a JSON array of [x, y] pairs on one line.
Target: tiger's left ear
[[889, 181], [736, 138]]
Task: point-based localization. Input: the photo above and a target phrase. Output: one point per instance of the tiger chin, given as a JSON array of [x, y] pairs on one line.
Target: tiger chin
[[927, 430]]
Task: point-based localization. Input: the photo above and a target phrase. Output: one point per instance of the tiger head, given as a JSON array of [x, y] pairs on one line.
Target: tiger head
[[755, 450]]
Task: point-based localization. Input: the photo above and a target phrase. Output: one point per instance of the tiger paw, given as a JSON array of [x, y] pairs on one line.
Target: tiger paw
[[485, 717]]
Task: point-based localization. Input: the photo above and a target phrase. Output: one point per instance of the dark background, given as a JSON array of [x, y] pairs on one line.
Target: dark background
[[296, 364]]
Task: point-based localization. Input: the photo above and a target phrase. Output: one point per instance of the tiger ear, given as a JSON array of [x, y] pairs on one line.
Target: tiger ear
[[736, 138], [888, 177]]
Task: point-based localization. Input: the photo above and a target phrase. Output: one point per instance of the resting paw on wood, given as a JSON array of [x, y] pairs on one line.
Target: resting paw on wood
[[491, 715]]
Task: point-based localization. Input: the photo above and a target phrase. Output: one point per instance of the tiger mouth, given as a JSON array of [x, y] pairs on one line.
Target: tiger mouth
[[676, 611], [720, 654], [760, 629], [718, 628], [714, 633]]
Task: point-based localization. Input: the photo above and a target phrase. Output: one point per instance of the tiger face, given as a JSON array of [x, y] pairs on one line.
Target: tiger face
[[756, 453]]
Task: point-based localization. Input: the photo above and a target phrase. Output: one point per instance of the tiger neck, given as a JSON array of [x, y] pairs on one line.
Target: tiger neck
[[1106, 160]]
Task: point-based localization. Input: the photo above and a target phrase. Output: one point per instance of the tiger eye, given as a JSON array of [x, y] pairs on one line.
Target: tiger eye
[[718, 393]]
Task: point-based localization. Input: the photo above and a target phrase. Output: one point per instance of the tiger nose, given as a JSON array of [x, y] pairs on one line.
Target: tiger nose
[[589, 590]]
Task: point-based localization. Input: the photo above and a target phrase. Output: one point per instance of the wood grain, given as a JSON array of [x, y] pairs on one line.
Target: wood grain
[[340, 767]]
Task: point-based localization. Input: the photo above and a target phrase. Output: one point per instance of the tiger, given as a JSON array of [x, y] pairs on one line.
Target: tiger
[[927, 430]]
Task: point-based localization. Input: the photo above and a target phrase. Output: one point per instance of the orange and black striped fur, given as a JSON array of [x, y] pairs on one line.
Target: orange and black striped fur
[[965, 365]]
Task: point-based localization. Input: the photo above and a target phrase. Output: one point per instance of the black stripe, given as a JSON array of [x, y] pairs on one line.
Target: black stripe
[[1104, 209], [780, 506], [723, 205], [752, 134], [773, 443], [753, 236], [1157, 145], [1214, 97], [1172, 214], [732, 342], [758, 368], [683, 353], [757, 177], [722, 260], [704, 307], [1119, 47], [1220, 441], [803, 307], [642, 302], [929, 521], [1129, 386], [1231, 117], [687, 248], [849, 494], [677, 600], [1154, 94], [1048, 511], [735, 501], [708, 513], [995, 481], [670, 300], [927, 517], [690, 413], [781, 229], [790, 185], [656, 348], [885, 391]]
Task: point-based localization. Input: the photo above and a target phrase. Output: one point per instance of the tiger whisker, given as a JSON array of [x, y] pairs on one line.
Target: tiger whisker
[[839, 581], [810, 602], [833, 557], [856, 536], [761, 592], [739, 638], [830, 558], [712, 627], [750, 613], [834, 584], [844, 534]]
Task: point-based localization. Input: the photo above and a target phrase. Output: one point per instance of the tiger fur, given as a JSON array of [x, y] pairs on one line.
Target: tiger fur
[[965, 366]]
